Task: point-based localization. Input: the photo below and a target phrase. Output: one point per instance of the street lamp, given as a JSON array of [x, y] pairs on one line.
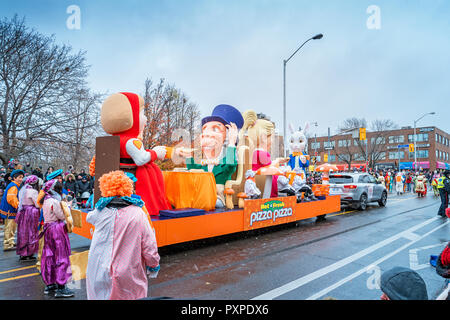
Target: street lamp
[[316, 37], [415, 124]]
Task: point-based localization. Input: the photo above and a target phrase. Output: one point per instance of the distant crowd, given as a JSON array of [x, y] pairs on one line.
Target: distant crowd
[[79, 185]]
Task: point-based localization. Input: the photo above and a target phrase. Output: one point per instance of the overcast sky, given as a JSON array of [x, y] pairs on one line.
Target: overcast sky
[[232, 51]]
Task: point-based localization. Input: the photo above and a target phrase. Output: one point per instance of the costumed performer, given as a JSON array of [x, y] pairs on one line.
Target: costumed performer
[[55, 261], [27, 219], [123, 249], [122, 115], [8, 208]]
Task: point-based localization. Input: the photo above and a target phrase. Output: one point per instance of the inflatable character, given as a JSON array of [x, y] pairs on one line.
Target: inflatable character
[[123, 115], [260, 132], [218, 142], [298, 160]]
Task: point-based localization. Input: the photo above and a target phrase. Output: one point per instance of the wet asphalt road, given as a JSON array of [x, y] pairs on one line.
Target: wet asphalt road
[[341, 258]]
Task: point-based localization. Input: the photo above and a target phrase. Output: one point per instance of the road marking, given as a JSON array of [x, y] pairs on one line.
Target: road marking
[[363, 270], [272, 294], [18, 269], [411, 236], [338, 214], [20, 277], [414, 257]]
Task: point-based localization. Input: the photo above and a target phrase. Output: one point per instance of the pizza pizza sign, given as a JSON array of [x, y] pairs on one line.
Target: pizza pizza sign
[[264, 212]]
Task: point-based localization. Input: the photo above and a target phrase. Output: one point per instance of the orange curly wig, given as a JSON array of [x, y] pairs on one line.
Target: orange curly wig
[[115, 183]]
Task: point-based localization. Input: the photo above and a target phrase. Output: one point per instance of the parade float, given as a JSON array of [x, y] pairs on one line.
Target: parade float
[[231, 186]]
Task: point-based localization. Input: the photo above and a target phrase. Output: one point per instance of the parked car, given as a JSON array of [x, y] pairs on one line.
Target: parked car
[[357, 189]]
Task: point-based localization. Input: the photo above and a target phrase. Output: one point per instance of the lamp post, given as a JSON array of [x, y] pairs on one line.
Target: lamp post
[[316, 37], [415, 149]]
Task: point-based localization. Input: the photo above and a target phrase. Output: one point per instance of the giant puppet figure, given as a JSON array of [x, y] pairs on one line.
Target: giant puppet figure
[[123, 115], [298, 160], [218, 142]]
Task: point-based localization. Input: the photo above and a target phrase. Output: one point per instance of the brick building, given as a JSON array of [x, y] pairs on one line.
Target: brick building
[[432, 149]]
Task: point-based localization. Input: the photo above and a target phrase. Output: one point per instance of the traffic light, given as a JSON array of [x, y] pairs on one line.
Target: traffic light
[[411, 147], [325, 157], [362, 133]]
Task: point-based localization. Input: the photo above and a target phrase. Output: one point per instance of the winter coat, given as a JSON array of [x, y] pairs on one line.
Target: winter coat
[[83, 187], [71, 186]]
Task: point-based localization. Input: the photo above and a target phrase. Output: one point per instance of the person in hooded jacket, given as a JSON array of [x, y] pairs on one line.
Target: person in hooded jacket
[[71, 184]]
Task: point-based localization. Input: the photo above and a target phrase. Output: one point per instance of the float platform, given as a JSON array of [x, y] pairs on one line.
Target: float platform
[[258, 213]]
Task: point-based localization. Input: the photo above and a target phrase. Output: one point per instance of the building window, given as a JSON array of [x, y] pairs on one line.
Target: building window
[[344, 157], [419, 154], [396, 139], [344, 143], [327, 144], [378, 140], [419, 137], [332, 158], [394, 155], [315, 145]]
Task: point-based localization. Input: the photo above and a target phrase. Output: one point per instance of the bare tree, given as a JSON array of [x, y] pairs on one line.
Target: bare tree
[[37, 79], [376, 140]]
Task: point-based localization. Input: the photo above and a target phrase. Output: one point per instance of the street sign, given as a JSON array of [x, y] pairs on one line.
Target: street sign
[[403, 146]]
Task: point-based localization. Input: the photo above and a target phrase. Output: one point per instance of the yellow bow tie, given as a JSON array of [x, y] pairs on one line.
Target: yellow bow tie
[[297, 154]]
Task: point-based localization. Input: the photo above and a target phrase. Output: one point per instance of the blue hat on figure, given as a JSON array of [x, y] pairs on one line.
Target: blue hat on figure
[[225, 114]]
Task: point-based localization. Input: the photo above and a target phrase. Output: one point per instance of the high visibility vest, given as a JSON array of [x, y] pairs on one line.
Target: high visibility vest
[[399, 179], [440, 182]]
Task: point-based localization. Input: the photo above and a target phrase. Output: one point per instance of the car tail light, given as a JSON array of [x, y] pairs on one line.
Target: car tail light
[[350, 186]]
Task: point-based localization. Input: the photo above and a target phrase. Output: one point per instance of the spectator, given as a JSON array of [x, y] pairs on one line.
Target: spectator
[[71, 184], [49, 170], [401, 283], [84, 186], [38, 172]]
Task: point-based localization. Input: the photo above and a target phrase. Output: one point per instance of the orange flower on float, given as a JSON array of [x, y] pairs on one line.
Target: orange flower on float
[[115, 184]]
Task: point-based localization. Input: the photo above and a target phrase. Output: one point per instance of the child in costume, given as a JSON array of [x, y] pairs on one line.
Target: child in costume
[[55, 260], [27, 219], [123, 249], [8, 208], [123, 115]]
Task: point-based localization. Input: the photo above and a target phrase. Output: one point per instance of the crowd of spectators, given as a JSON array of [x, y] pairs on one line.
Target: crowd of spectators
[[76, 183]]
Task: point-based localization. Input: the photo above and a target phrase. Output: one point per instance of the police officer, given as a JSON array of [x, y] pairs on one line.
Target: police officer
[[444, 189]]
